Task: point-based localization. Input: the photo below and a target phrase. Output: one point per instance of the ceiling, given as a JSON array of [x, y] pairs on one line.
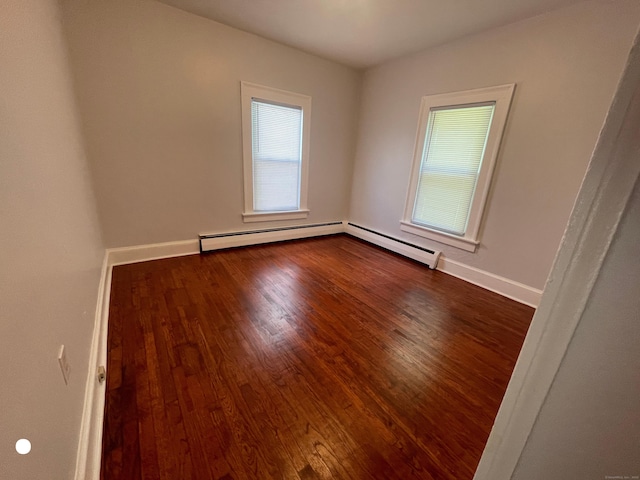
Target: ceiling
[[363, 33]]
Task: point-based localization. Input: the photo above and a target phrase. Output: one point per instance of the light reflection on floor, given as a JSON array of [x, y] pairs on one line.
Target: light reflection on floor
[[275, 320]]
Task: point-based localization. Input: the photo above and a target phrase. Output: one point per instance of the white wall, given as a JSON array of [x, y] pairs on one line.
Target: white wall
[[588, 426], [575, 374], [51, 251], [566, 65], [159, 93]]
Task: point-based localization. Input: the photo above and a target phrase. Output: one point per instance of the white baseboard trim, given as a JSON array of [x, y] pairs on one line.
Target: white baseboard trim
[[505, 287], [219, 241], [153, 251], [88, 457]]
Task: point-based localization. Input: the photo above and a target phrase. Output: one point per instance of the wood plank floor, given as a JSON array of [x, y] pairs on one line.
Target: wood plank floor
[[321, 358]]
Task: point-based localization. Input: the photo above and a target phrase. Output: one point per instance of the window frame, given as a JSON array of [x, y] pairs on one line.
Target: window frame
[[248, 92], [502, 96]]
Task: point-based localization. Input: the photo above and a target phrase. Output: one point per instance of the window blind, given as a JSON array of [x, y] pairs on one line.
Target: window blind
[[276, 132], [454, 145]]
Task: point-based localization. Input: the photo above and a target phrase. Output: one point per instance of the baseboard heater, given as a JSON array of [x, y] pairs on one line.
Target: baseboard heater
[[219, 241], [423, 255]]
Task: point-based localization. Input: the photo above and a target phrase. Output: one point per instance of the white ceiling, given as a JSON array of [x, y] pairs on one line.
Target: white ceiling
[[363, 33]]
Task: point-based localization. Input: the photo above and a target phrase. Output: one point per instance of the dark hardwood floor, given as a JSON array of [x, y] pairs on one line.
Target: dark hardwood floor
[[321, 358]]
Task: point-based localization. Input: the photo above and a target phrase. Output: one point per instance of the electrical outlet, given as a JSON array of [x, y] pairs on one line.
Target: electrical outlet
[[65, 366]]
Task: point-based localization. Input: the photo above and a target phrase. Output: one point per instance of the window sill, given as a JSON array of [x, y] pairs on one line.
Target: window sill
[[269, 216], [467, 244]]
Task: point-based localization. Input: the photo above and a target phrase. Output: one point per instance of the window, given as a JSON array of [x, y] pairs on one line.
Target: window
[[456, 148], [275, 136]]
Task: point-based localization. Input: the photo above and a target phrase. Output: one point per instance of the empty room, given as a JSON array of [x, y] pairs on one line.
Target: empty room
[[362, 239]]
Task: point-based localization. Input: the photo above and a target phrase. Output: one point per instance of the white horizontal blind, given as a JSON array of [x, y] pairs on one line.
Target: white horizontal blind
[[276, 132], [454, 146]]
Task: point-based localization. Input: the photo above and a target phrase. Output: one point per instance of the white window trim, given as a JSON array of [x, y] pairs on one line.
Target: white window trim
[[501, 95], [250, 91]]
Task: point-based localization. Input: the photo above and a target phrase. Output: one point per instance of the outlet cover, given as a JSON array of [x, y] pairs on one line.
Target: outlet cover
[[65, 366]]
